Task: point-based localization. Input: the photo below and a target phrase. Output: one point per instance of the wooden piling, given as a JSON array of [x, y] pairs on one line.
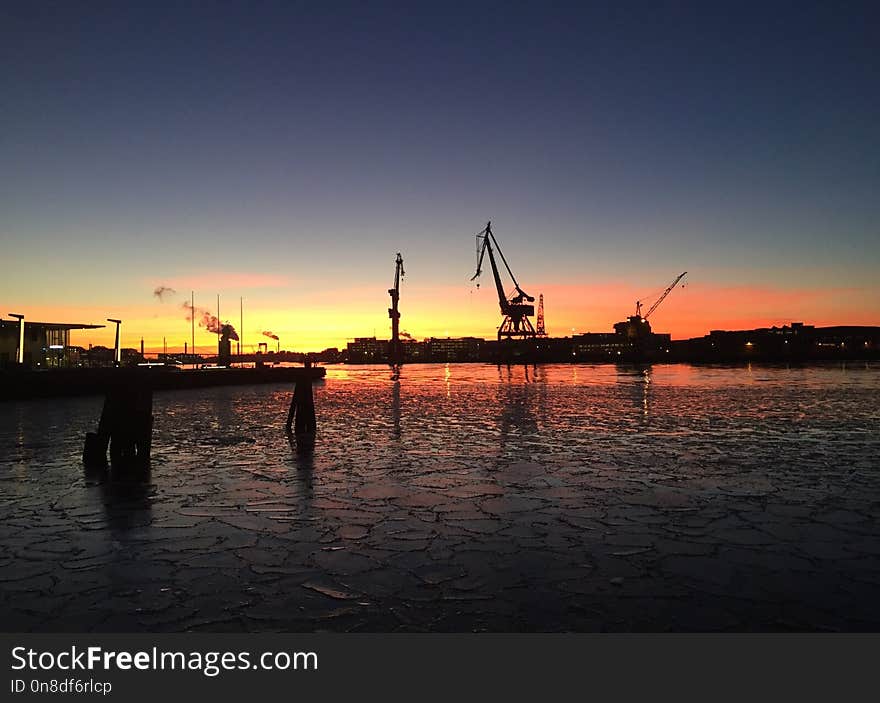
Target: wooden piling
[[301, 415]]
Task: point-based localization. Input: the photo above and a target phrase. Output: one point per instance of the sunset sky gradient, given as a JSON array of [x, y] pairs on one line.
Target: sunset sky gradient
[[284, 152]]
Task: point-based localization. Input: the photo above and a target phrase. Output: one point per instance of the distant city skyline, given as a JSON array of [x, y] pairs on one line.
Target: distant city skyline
[[284, 153]]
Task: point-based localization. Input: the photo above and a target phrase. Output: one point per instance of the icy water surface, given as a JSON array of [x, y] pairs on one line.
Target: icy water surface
[[462, 497]]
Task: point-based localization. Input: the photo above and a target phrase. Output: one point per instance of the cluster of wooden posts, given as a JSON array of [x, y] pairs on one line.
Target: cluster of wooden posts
[[126, 427]]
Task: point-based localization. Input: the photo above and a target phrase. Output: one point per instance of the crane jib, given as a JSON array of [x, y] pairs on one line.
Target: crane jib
[[663, 296]]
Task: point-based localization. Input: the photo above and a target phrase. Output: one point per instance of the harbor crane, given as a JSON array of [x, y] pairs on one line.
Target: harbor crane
[[394, 351], [637, 327], [514, 308]]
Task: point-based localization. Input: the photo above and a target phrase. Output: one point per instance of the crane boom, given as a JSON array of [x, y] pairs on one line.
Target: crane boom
[[665, 293], [487, 238], [398, 271]]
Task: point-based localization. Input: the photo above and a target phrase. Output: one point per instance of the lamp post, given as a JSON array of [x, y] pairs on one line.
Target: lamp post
[[19, 352], [116, 355]]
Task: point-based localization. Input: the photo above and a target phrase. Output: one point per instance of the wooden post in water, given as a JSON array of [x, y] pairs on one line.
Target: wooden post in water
[[301, 415]]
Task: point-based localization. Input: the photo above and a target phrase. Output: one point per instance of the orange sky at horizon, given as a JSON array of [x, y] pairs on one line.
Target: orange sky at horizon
[[316, 320], [284, 152]]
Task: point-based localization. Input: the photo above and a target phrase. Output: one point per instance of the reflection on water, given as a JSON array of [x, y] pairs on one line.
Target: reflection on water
[[637, 418], [302, 448], [517, 403], [637, 379], [395, 410], [429, 469]]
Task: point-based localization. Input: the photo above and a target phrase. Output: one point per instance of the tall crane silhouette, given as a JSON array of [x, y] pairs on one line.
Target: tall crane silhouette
[[394, 351], [516, 312]]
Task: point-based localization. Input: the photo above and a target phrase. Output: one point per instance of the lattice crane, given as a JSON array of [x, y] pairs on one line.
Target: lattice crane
[[540, 330]]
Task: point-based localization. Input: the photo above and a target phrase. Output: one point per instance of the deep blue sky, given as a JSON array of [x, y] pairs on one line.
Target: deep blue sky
[[623, 142]]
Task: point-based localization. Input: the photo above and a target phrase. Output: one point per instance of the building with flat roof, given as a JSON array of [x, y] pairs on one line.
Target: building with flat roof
[[46, 344], [367, 350], [455, 348]]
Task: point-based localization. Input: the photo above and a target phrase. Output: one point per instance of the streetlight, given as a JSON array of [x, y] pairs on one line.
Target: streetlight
[[116, 356], [19, 352]]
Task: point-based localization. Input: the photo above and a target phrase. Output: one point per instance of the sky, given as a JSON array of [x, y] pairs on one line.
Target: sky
[[283, 153]]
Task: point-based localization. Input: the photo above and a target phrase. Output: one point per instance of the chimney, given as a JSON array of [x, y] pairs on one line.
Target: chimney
[[224, 351]]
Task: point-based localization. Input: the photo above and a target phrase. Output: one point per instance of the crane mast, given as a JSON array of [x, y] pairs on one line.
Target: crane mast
[[394, 351], [515, 322]]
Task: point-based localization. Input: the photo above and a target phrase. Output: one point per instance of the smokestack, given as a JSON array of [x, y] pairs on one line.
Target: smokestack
[[224, 346]]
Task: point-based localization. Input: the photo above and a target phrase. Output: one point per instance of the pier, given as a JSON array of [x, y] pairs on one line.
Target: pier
[[21, 385]]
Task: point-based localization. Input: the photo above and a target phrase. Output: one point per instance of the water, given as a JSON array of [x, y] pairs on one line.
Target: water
[[457, 498]]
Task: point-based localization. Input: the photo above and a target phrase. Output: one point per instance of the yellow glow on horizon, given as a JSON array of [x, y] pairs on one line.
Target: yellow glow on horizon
[[324, 319]]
